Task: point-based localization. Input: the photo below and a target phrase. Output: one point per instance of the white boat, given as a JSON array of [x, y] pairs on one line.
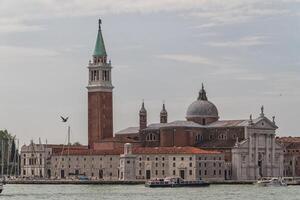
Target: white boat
[[272, 182], [175, 182]]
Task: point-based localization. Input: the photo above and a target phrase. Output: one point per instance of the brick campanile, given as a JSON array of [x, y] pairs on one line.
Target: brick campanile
[[100, 96]]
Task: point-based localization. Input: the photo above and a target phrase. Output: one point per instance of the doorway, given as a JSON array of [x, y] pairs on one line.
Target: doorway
[[181, 174], [260, 168], [100, 174], [49, 173], [62, 173], [148, 174]]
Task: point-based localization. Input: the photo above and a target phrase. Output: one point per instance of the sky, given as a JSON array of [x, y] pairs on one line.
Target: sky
[[246, 52]]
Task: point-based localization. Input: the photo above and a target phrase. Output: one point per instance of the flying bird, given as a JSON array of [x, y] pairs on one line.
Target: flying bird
[[64, 119]]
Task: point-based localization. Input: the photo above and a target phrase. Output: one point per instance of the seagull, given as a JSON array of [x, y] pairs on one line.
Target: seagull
[[64, 119]]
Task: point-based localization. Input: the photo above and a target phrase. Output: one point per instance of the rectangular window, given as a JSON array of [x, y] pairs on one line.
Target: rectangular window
[[214, 172], [140, 172], [156, 172], [205, 172], [182, 158], [174, 172], [174, 164], [199, 172], [191, 164], [174, 158], [191, 172], [163, 172]]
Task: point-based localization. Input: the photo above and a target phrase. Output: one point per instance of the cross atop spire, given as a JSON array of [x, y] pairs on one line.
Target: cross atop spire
[[99, 22], [202, 94], [100, 47]]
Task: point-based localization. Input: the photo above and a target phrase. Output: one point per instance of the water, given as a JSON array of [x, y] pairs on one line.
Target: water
[[139, 192]]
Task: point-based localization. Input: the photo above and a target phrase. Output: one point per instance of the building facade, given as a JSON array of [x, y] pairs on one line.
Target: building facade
[[36, 158], [139, 163], [291, 155]]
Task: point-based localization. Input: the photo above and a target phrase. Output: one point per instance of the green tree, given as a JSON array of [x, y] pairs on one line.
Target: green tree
[[76, 144], [10, 153]]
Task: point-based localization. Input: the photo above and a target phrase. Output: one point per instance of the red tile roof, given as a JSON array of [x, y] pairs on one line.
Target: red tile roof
[[138, 150]]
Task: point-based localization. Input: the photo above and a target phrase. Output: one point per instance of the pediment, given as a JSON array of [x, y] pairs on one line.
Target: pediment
[[264, 123]]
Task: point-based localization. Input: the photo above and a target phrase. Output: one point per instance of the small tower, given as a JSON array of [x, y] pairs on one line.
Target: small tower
[[127, 164], [143, 117], [100, 95], [163, 115]]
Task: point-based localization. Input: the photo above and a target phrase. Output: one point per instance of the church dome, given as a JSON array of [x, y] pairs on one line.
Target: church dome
[[202, 109]]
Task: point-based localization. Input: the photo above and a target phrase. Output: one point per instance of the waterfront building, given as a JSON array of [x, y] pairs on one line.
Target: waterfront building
[[139, 163], [291, 155], [36, 158]]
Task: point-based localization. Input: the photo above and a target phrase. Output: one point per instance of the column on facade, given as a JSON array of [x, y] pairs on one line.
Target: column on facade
[[250, 153], [293, 164], [268, 157], [273, 153], [256, 155]]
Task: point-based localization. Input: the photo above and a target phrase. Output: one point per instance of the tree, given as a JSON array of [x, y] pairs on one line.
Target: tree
[[10, 152], [76, 144]]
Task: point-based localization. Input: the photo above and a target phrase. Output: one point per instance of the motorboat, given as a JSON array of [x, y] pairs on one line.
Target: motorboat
[[272, 182], [175, 182]]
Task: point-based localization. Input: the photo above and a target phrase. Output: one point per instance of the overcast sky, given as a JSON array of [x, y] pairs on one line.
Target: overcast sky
[[245, 52]]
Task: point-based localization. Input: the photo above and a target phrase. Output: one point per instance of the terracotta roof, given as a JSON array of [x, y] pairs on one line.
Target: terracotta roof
[[139, 150], [288, 139], [171, 150], [289, 142], [65, 145]]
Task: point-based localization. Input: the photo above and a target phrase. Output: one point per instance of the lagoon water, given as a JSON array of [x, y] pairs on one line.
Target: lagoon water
[[139, 192]]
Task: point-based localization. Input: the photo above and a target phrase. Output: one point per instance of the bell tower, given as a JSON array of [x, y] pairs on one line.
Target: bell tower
[[100, 96]]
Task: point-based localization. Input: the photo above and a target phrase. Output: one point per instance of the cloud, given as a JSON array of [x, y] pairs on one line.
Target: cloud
[[213, 12], [245, 41], [15, 25], [21, 52], [187, 58]]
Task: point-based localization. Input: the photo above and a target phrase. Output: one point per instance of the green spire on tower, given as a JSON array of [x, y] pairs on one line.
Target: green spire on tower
[[100, 47]]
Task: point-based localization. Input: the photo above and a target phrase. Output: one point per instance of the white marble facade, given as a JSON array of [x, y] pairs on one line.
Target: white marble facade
[[259, 155]]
